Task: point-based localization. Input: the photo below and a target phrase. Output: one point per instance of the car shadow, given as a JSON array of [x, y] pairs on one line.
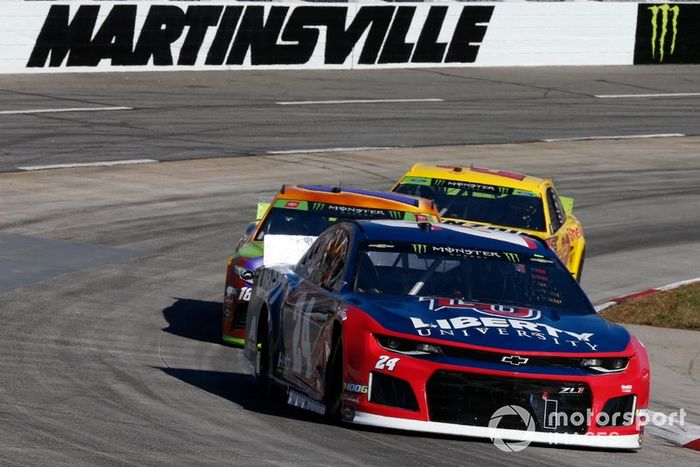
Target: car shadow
[[194, 319], [242, 390]]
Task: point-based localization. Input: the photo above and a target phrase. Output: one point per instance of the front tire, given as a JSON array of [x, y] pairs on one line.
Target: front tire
[[334, 381]]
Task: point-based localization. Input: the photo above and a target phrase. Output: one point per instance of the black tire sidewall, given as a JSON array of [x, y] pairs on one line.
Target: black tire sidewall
[[334, 382]]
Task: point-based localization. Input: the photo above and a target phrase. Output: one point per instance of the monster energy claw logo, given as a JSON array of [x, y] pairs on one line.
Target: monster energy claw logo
[[419, 248], [512, 257], [664, 10], [395, 214], [317, 206], [439, 182]]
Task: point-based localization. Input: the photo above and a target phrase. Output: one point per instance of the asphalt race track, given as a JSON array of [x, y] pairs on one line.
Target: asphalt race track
[[216, 114], [111, 278]]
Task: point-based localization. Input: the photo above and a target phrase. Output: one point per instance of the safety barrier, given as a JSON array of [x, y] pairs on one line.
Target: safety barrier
[[84, 36]]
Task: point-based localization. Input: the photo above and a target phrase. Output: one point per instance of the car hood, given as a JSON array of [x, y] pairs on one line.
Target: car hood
[[497, 326]]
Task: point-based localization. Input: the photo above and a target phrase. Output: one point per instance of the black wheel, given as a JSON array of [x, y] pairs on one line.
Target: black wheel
[[263, 361], [580, 265], [334, 381]]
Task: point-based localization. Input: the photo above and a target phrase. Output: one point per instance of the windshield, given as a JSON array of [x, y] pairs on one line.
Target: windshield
[[309, 218], [411, 269], [491, 204]]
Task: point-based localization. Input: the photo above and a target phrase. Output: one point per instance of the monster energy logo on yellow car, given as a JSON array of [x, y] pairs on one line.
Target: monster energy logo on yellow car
[[660, 15]]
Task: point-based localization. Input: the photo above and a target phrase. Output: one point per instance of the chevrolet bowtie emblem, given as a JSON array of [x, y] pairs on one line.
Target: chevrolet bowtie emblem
[[515, 360]]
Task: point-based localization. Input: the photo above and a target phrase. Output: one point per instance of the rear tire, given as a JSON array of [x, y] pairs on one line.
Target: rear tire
[[334, 381]]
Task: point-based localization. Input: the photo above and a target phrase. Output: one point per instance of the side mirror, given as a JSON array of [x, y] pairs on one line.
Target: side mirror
[[567, 204], [262, 209]]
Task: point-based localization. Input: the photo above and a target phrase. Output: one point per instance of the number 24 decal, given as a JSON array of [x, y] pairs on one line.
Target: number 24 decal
[[386, 362]]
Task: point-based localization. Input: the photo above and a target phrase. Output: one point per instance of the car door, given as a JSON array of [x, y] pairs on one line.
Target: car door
[[310, 306]]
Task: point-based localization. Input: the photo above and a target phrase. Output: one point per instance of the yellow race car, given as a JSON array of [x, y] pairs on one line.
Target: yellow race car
[[501, 200]]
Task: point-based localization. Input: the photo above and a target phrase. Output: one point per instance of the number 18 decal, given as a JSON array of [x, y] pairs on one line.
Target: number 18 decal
[[386, 362]]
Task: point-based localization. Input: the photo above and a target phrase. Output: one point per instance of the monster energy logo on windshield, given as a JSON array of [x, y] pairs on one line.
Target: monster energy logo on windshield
[[419, 248], [512, 257], [396, 214], [666, 11], [317, 206]]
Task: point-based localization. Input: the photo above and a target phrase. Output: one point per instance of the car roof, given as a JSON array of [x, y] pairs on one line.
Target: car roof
[[449, 234], [357, 197], [477, 175]]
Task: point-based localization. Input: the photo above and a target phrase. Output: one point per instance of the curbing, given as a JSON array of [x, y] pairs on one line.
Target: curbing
[[686, 435], [623, 298]]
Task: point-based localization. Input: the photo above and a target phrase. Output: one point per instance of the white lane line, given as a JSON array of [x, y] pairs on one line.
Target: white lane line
[[588, 138], [303, 151], [668, 94], [87, 164], [69, 109], [357, 101]]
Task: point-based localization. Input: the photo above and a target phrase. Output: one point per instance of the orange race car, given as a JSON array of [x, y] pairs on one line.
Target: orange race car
[[503, 200], [300, 213]]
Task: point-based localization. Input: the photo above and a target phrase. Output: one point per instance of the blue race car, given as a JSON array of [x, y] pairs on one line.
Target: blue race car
[[446, 329]]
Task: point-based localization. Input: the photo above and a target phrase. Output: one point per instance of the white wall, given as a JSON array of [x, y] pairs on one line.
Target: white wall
[[517, 34]]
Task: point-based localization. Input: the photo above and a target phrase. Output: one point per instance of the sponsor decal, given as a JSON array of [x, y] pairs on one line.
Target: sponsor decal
[[354, 211], [662, 32], [437, 304], [257, 35], [347, 412], [468, 326], [626, 388], [468, 186], [291, 204], [386, 362], [395, 214], [512, 257], [572, 390], [355, 388], [422, 248], [419, 248], [315, 206], [667, 33], [515, 360]]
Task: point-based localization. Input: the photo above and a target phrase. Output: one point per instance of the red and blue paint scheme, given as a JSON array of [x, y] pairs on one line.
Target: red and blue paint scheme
[[436, 328]]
